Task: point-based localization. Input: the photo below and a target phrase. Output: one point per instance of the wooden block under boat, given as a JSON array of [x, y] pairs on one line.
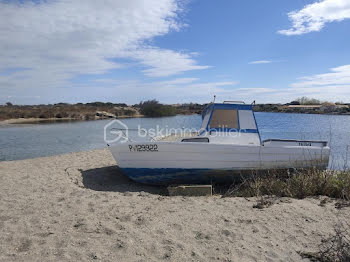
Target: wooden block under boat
[[190, 190]]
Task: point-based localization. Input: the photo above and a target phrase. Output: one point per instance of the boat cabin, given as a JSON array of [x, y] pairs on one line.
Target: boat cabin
[[230, 122]]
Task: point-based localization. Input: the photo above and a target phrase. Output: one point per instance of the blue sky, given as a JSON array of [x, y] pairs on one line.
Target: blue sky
[[174, 51]]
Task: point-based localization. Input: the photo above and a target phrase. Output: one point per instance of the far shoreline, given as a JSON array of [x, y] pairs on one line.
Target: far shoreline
[[64, 112], [34, 120], [24, 121]]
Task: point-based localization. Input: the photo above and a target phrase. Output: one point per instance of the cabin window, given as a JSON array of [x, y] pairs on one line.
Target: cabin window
[[246, 119], [222, 118]]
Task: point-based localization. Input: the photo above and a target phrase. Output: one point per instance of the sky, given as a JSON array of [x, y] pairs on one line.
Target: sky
[[270, 51]]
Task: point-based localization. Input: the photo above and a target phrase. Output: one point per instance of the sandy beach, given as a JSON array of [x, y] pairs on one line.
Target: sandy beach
[[79, 207], [19, 121]]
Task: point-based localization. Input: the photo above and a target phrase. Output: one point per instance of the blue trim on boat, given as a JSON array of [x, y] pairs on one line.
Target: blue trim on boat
[[161, 176], [211, 115], [256, 125], [239, 123], [212, 107], [206, 109], [202, 132]]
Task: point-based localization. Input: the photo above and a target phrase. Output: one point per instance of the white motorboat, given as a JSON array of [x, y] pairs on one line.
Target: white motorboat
[[227, 146]]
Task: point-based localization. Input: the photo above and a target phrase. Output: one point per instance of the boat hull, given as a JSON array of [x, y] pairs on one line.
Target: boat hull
[[166, 176], [161, 176], [176, 162]]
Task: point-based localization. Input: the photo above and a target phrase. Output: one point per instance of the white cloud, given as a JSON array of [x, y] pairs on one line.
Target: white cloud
[[333, 86], [314, 16], [179, 81], [165, 62], [169, 91], [339, 76], [203, 92], [58, 40], [260, 90], [260, 62]]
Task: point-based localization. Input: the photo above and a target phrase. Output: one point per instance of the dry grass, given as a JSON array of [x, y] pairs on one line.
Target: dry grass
[[300, 184], [335, 248]]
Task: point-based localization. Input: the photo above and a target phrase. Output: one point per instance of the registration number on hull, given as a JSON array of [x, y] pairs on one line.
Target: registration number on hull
[[305, 144], [143, 148]]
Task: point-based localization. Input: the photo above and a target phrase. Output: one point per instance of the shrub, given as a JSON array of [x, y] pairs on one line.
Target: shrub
[[129, 112], [45, 114], [308, 101], [153, 108]]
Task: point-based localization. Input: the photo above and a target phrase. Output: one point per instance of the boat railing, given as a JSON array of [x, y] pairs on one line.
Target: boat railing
[[234, 102]]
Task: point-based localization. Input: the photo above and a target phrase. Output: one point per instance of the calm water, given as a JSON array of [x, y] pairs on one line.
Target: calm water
[[35, 140]]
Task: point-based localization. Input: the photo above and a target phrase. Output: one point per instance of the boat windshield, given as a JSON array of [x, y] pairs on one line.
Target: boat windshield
[[222, 118]]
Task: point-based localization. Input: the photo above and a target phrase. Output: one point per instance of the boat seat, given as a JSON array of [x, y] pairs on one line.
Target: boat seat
[[196, 139]]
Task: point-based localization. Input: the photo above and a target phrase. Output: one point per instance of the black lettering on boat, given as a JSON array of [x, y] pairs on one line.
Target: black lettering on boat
[[143, 148]]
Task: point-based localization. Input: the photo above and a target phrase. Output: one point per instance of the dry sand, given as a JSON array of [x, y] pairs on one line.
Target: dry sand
[[79, 207]]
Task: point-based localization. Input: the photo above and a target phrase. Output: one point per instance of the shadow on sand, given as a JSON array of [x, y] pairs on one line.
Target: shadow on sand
[[112, 179]]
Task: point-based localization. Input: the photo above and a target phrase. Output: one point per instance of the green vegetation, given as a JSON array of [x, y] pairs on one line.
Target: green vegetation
[[189, 109], [89, 111], [152, 108], [95, 110]]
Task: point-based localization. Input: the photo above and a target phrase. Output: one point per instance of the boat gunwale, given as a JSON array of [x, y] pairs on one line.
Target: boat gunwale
[[226, 144]]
